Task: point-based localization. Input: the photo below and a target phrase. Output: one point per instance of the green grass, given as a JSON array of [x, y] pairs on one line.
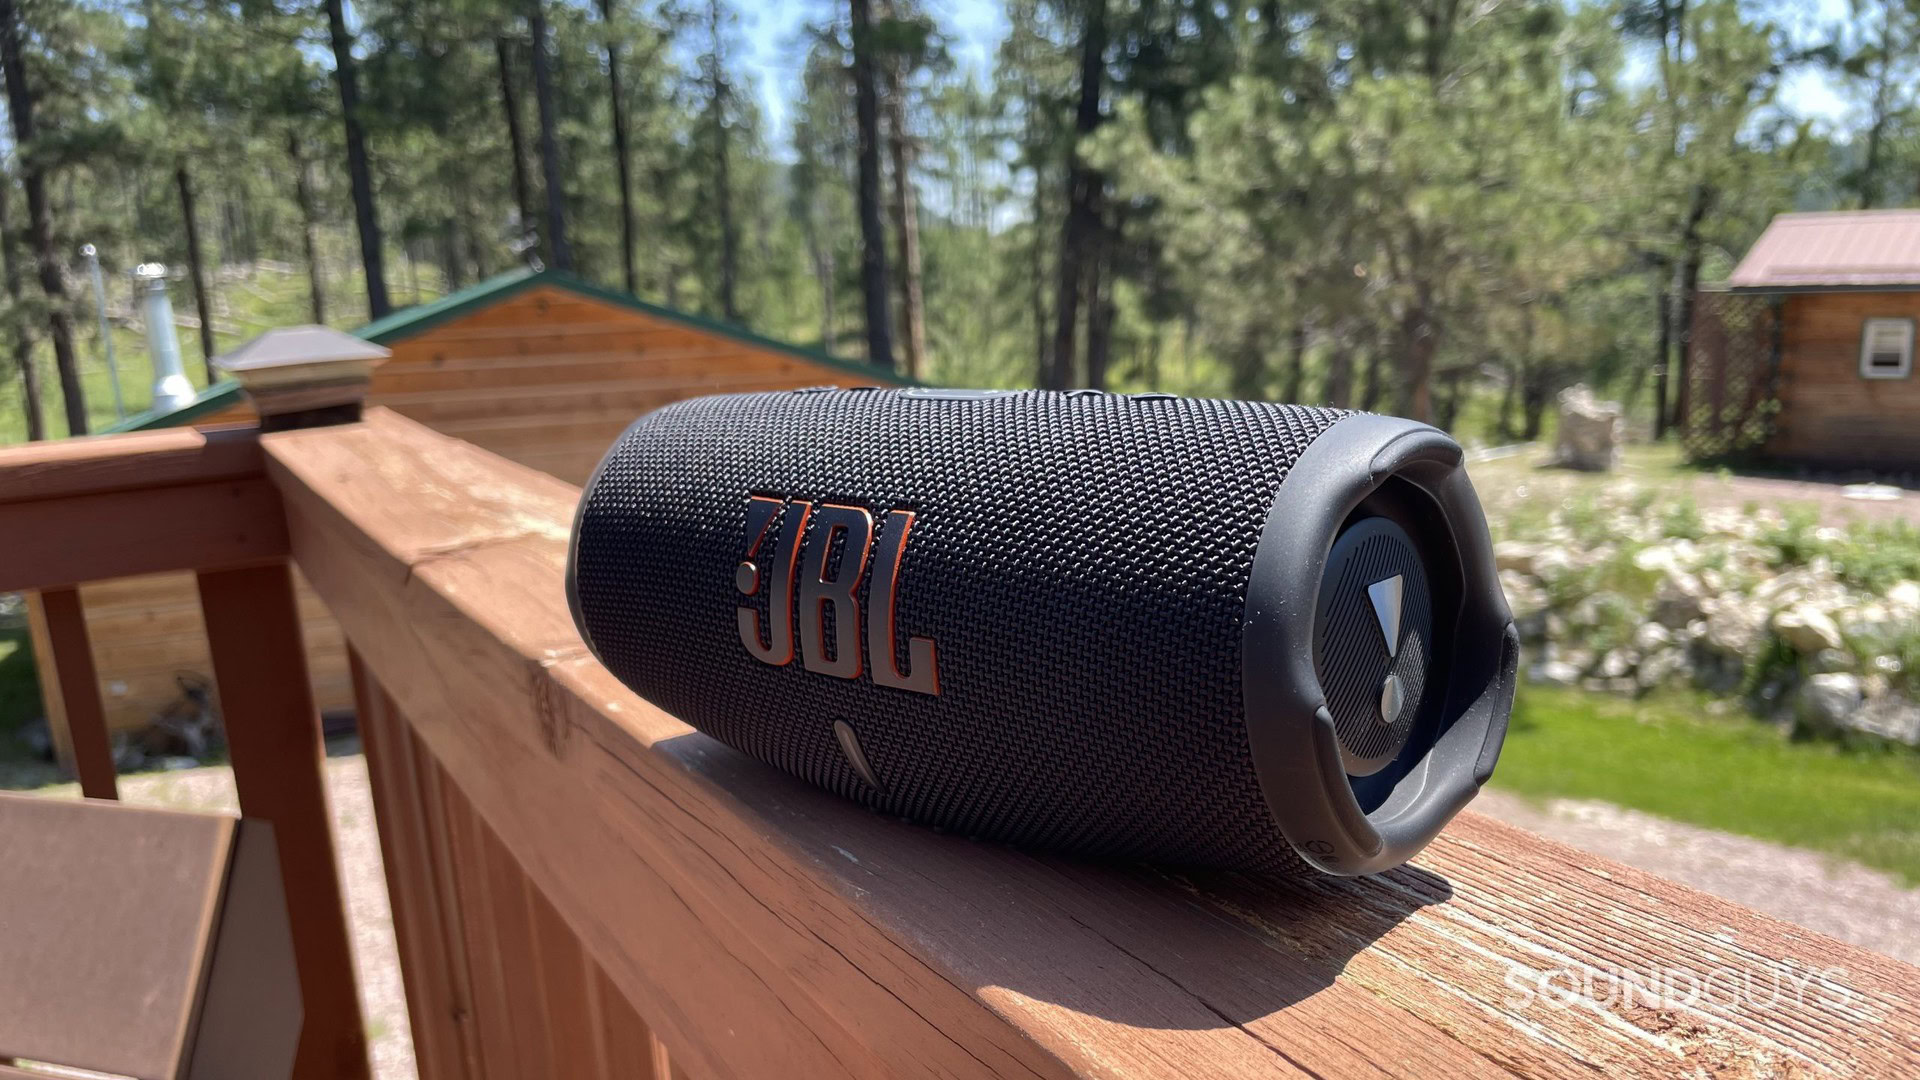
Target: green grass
[[19, 688], [19, 703], [1671, 756]]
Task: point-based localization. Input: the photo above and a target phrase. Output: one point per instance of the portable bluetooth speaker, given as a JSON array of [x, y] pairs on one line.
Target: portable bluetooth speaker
[[1198, 632]]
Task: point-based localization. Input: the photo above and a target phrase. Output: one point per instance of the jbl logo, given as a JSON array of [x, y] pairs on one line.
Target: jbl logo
[[853, 529]]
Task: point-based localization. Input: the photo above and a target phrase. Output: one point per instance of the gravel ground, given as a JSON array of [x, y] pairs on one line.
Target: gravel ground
[[1867, 907], [382, 997], [1843, 899]]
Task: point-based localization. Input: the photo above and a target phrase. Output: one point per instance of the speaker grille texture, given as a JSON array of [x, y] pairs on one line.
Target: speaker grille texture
[[1351, 653], [1080, 561]]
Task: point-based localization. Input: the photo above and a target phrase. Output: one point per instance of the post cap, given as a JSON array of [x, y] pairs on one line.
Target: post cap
[[304, 376]]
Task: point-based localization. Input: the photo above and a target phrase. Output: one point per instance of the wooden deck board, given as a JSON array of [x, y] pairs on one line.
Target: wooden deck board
[[722, 896]]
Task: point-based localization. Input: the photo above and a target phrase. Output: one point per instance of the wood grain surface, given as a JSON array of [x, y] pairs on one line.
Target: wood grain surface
[[760, 927]]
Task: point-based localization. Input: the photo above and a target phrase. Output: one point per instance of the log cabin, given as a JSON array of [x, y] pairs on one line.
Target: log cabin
[[1814, 336], [539, 367]]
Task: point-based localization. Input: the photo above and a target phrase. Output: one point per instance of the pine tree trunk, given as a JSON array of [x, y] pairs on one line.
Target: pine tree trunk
[[366, 216], [722, 180], [1083, 183], [1099, 317], [1693, 251], [22, 341], [452, 266], [1504, 421], [1296, 386], [1037, 279], [516, 139], [906, 230], [1246, 366], [873, 240], [1533, 406], [1418, 339], [1338, 391], [1375, 386], [820, 251], [309, 225], [196, 267], [557, 245], [1663, 351], [617, 96], [20, 105]]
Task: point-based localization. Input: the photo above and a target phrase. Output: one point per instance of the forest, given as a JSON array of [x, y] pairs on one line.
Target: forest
[[1449, 209]]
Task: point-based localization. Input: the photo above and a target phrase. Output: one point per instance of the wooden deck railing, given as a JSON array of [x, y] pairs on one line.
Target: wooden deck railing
[[92, 509], [583, 887]]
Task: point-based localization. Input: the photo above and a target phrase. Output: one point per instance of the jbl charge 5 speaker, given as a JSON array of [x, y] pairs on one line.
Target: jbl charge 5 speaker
[[1218, 633]]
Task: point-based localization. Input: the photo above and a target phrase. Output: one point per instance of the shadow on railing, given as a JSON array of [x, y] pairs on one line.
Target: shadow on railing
[[579, 882]]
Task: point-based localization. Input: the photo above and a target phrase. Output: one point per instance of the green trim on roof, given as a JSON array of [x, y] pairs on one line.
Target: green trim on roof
[[408, 321], [405, 323], [210, 400]]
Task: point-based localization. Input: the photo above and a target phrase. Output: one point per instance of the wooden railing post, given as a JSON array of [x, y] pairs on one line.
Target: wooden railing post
[[301, 377], [279, 770], [79, 689]]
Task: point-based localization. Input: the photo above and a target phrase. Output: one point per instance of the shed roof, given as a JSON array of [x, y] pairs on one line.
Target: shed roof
[[419, 318], [1834, 250]]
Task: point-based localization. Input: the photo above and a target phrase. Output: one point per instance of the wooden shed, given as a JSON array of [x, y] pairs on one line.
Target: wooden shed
[[538, 367], [1811, 342]]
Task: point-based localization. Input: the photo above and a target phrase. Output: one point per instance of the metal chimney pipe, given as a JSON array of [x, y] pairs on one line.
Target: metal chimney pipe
[[171, 389]]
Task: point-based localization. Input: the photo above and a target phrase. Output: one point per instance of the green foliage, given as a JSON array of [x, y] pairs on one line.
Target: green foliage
[[1875, 555], [1454, 211], [1795, 540]]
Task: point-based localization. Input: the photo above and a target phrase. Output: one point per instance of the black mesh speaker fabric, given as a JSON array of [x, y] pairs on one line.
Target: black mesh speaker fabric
[[1080, 561]]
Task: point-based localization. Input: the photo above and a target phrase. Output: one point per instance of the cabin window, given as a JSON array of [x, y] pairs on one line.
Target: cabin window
[[1886, 349]]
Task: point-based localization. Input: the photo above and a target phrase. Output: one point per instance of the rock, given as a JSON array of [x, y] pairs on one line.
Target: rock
[[1660, 667], [1904, 596], [1617, 664], [1832, 660], [1828, 702], [1554, 562], [1554, 673], [1733, 628], [1668, 559], [1585, 614], [1651, 637], [37, 737], [1807, 629], [1581, 659], [1677, 600], [1524, 595], [1591, 431], [1891, 717], [1516, 555]]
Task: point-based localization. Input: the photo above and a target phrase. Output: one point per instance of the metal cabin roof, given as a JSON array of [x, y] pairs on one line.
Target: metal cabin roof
[[1833, 251], [420, 318]]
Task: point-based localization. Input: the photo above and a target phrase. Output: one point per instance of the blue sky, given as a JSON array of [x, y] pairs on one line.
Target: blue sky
[[773, 50]]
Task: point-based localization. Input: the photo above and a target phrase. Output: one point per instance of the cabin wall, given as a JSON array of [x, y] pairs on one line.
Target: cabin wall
[[547, 378], [1829, 414]]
